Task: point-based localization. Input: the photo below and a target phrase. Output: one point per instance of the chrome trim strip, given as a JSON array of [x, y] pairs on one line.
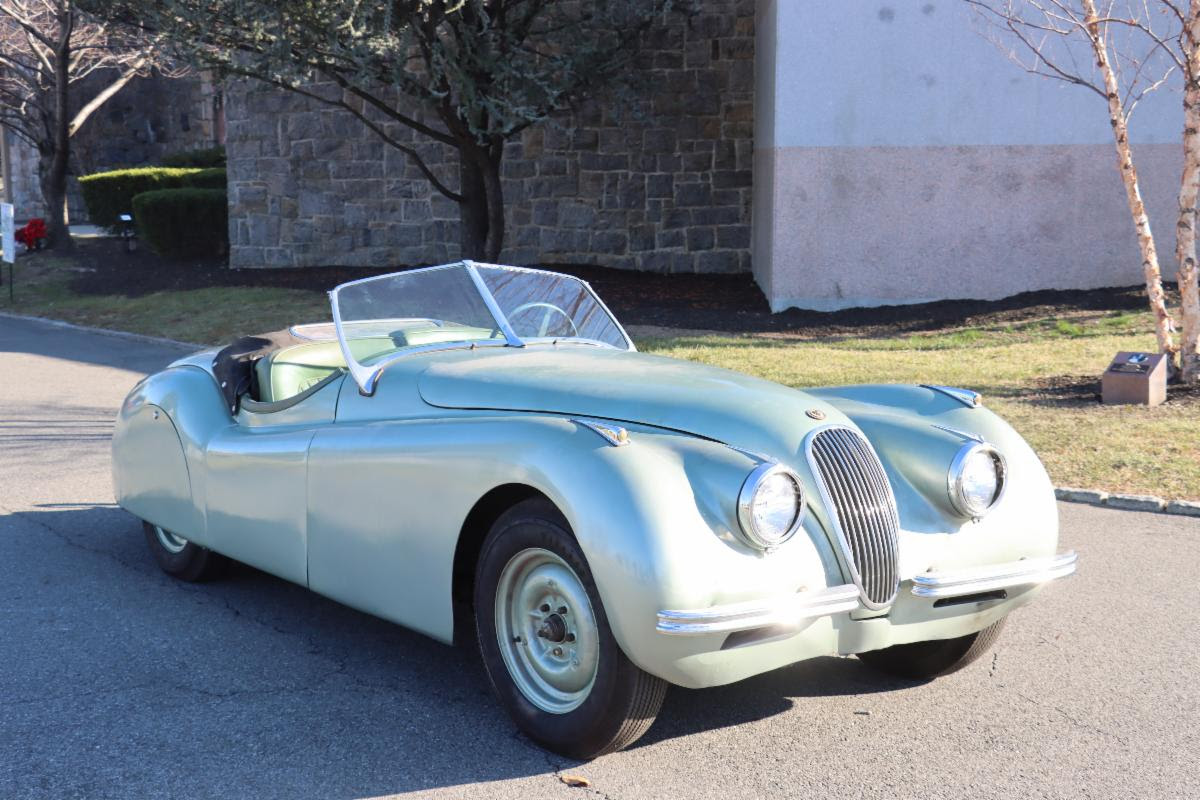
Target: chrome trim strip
[[557, 340], [611, 315], [831, 511], [610, 432], [994, 576], [493, 307], [759, 614], [973, 437], [967, 397], [365, 378]]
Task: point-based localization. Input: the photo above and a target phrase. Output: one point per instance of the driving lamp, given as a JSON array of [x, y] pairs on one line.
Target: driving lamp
[[770, 506], [976, 479]]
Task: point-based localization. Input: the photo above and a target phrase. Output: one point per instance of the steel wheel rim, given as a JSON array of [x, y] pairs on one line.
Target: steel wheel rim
[[551, 656], [170, 542]]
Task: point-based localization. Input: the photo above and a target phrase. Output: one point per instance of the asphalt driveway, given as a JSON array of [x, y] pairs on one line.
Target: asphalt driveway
[[117, 681]]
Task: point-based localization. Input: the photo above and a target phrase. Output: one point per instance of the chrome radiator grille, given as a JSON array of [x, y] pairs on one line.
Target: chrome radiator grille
[[862, 507]]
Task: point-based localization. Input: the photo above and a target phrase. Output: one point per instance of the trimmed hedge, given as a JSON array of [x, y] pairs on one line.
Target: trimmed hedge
[[206, 157], [110, 194], [184, 223]]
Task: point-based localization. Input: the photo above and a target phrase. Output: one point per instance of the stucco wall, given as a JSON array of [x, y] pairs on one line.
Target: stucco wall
[[664, 186], [902, 158]]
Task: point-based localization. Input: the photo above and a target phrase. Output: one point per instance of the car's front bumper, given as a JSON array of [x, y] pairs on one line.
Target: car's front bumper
[[724, 643], [995, 577], [958, 585]]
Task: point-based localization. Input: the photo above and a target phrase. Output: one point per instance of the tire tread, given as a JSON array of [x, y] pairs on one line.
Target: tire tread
[[636, 696], [934, 659]]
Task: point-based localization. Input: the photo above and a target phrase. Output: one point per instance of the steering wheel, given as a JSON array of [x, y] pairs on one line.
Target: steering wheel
[[551, 309]]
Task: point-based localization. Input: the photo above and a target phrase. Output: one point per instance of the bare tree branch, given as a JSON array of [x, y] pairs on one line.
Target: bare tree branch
[[46, 50]]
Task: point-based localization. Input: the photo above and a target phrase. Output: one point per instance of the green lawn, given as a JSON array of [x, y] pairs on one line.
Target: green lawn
[[1036, 373], [204, 316]]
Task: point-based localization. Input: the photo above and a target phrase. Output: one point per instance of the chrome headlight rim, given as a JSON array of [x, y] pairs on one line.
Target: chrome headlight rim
[[745, 506], [954, 479]]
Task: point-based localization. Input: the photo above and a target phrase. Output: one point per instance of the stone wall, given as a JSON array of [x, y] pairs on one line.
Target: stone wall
[[149, 118], [25, 193], [663, 184]]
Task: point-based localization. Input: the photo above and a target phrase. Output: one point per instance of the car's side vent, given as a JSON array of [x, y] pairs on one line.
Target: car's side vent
[[862, 509]]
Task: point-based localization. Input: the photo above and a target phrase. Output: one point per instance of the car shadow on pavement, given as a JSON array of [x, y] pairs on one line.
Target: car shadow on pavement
[[691, 711], [258, 687]]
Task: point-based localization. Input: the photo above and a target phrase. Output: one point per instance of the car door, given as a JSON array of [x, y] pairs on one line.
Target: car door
[[257, 474]]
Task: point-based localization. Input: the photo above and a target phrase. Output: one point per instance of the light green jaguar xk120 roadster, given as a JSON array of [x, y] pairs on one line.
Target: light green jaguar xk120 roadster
[[482, 445]]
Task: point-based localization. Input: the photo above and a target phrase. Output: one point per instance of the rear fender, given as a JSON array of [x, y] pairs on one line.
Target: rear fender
[[158, 448]]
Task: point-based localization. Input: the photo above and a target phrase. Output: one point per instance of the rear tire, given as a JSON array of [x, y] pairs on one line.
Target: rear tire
[[560, 674], [182, 559], [926, 660]]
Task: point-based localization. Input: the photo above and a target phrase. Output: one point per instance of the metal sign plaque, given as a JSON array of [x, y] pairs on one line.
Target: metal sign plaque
[[8, 242], [7, 232], [1135, 378]]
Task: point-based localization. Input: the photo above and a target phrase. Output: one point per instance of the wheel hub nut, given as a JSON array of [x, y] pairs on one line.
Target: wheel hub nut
[[553, 628]]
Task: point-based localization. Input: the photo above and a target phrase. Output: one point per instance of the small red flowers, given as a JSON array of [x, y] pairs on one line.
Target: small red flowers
[[32, 234]]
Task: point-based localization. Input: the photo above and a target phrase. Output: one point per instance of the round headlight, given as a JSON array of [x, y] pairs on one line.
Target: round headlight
[[770, 506], [976, 480]]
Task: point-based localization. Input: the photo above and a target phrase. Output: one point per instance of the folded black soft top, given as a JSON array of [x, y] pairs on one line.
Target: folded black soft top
[[233, 365]]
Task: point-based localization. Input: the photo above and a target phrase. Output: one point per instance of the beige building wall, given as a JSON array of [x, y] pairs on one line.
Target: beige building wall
[[900, 158]]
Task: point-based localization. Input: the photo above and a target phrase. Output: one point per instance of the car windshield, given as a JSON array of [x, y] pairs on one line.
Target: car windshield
[[464, 305]]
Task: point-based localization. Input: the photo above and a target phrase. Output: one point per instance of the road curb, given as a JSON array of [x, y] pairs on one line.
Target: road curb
[[137, 337], [1128, 502]]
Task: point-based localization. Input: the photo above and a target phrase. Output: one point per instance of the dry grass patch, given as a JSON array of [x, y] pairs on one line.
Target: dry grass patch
[[1083, 443]]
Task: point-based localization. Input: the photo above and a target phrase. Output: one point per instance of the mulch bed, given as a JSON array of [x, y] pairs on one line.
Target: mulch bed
[[1084, 390], [699, 302]]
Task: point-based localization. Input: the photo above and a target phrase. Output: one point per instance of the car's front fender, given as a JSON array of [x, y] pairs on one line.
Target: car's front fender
[[655, 518]]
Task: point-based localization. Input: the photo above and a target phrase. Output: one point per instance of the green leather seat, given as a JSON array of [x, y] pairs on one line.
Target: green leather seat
[[289, 371]]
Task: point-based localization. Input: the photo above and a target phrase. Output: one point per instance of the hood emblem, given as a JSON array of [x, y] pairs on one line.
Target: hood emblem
[[815, 413]]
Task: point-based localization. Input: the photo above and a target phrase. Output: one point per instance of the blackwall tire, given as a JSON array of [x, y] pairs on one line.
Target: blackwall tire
[[182, 559], [546, 644], [927, 660]]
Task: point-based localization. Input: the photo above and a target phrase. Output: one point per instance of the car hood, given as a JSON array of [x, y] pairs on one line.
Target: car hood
[[718, 404]]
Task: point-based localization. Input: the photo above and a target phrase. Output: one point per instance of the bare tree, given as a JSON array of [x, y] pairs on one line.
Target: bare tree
[[467, 74], [1121, 50], [1185, 240], [47, 48]]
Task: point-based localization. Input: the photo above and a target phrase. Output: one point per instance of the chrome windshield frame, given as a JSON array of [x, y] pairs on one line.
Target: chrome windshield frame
[[367, 376]]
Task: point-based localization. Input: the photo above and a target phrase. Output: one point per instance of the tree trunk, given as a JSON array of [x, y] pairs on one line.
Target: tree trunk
[[53, 164], [1185, 241], [481, 211], [494, 191], [52, 180], [1163, 326], [472, 210]]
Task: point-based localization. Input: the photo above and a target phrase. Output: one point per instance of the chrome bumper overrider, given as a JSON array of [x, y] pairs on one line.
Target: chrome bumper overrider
[[835, 599], [760, 614], [995, 576]]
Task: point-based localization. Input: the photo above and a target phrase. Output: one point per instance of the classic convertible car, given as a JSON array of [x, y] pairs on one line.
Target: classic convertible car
[[480, 444]]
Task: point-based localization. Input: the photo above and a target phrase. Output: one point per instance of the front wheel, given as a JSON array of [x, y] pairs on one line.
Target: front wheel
[[180, 558], [546, 644], [926, 660]]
